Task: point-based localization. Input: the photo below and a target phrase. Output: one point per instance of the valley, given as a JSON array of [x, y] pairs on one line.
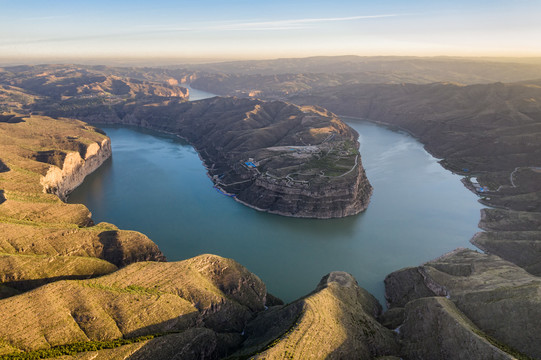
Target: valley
[[481, 303]]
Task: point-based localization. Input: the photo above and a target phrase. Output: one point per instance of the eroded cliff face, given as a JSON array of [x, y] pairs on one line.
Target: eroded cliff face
[[340, 198], [62, 181], [44, 239]]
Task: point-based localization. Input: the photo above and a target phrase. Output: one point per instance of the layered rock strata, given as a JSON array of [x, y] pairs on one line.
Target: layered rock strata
[[63, 180]]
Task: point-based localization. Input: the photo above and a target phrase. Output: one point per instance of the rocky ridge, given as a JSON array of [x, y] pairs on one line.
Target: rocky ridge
[[336, 321], [495, 303]]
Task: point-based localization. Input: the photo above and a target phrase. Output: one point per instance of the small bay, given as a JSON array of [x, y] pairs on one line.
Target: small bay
[[156, 184]]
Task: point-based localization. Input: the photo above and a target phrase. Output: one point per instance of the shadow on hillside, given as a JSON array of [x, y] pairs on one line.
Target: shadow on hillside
[[112, 248], [194, 343], [3, 167], [27, 285], [373, 340], [11, 119], [2, 196], [52, 157], [205, 343]]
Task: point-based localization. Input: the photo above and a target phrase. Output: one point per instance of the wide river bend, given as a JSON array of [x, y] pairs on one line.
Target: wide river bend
[[156, 184]]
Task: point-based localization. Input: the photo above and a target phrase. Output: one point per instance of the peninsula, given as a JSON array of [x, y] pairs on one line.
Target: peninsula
[[272, 156]]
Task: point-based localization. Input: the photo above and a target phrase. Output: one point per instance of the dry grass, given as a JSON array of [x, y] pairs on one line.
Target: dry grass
[[140, 299], [336, 322], [25, 272], [35, 223]]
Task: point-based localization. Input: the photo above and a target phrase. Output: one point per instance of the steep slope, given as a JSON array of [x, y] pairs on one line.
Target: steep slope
[[500, 298], [141, 299], [336, 321], [435, 329]]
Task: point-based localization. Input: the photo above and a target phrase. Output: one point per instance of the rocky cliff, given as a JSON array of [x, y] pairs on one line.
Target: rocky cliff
[[63, 180]]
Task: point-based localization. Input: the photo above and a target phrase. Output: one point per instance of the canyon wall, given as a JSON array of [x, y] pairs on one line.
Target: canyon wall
[[62, 181]]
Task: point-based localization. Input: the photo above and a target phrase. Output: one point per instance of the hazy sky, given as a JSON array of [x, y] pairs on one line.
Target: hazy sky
[[268, 29]]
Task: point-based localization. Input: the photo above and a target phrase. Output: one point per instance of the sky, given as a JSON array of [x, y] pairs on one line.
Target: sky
[[240, 29]]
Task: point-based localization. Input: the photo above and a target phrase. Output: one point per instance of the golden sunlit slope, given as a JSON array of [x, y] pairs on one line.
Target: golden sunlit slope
[[336, 321], [141, 299], [44, 239]]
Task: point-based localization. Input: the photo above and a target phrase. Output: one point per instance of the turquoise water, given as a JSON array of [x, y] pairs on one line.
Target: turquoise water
[[157, 184]]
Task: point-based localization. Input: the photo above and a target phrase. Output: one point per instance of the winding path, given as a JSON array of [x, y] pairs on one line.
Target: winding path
[[512, 180]]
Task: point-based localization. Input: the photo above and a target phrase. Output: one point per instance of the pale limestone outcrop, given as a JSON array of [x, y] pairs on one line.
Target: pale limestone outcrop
[[74, 169]]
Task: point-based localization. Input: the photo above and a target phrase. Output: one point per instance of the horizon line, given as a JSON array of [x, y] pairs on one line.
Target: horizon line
[[53, 59]]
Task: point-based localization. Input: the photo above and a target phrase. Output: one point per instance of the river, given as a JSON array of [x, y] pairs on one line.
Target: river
[[156, 184]]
